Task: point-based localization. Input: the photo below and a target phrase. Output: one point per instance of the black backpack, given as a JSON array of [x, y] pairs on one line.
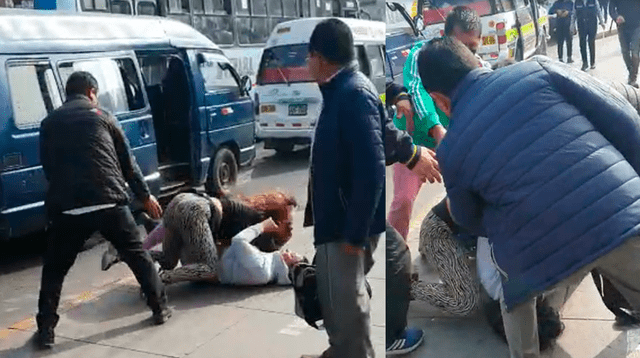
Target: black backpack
[[305, 287]]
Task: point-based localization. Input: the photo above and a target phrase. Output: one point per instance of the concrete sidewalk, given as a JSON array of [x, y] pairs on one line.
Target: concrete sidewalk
[[588, 332], [208, 321]]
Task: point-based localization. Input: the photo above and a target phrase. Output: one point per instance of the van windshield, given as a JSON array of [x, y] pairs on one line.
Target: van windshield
[[284, 64], [436, 11]]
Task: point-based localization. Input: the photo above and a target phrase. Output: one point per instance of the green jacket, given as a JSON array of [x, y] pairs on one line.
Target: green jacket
[[427, 114]]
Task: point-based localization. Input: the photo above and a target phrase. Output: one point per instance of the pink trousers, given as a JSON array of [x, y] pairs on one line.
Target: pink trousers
[[154, 238], [406, 186]]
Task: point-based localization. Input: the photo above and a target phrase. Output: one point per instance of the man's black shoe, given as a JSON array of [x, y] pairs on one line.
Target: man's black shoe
[[584, 67], [45, 338], [625, 323], [593, 66], [569, 60], [162, 316]]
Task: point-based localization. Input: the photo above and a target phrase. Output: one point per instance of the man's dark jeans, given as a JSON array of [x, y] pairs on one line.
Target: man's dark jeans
[[587, 29], [68, 234], [563, 34], [398, 282]]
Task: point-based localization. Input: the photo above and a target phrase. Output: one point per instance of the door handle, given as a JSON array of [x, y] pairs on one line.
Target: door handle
[[144, 131]]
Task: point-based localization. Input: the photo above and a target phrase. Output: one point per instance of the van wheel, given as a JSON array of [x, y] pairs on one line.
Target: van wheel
[[224, 173]]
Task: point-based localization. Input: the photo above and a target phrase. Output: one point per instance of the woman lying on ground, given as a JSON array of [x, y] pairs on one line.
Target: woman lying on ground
[[214, 239]]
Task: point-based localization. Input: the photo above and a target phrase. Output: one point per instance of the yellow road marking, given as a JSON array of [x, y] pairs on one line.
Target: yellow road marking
[[84, 297]]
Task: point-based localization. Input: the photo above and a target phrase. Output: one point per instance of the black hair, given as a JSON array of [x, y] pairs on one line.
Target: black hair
[[333, 40], [80, 82], [463, 17], [443, 62]]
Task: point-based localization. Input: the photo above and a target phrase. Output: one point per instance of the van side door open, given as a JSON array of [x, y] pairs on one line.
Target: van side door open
[[167, 83]]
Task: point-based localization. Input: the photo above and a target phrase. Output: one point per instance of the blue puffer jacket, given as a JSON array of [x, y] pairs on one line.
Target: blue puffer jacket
[[542, 159], [347, 162]]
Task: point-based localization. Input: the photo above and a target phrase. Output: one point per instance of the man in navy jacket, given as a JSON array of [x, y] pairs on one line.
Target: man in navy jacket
[[547, 170], [347, 188]]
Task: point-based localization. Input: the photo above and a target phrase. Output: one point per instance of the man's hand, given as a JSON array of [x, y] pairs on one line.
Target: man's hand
[[351, 249], [405, 109], [620, 20], [427, 167], [152, 207], [437, 132], [269, 226]]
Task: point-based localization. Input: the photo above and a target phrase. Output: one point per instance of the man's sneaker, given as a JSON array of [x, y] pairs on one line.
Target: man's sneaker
[[593, 66], [410, 340], [626, 323], [45, 338], [162, 316], [584, 67]]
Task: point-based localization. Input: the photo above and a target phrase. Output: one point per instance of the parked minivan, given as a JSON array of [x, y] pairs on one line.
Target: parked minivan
[[289, 99], [187, 114]]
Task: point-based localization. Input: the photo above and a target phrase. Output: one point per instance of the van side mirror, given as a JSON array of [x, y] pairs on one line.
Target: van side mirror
[[246, 85]]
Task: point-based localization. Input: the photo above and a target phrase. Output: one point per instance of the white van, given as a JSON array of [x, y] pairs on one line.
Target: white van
[[289, 101]]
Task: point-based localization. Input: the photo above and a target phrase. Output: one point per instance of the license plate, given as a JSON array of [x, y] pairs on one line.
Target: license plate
[[488, 40], [298, 109]]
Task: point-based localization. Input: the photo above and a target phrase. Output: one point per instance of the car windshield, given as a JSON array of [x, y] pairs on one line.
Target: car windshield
[[436, 11], [284, 64]]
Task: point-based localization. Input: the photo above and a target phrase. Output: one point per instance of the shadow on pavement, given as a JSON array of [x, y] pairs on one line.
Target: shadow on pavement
[[126, 301], [22, 253], [624, 344], [29, 348]]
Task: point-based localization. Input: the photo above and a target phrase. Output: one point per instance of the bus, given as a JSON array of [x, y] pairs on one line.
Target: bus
[[240, 27]]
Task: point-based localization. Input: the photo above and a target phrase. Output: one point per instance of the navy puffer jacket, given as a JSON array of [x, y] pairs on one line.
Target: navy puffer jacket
[[346, 191], [544, 160]]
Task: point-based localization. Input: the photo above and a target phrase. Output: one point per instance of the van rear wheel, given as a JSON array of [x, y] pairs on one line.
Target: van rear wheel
[[224, 172]]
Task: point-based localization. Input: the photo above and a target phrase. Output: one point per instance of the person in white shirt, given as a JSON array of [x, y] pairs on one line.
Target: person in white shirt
[[244, 264]]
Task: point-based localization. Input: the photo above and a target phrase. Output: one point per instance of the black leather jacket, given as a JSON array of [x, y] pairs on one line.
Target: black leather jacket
[[86, 158]]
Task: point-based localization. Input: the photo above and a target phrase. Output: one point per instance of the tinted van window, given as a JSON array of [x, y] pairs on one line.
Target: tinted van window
[[217, 74], [119, 87], [34, 93], [284, 64]]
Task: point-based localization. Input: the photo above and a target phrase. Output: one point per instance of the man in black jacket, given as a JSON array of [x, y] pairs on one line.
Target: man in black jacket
[[87, 161], [347, 188]]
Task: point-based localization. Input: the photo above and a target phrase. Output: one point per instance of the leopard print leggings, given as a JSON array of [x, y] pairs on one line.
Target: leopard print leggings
[[188, 238], [458, 294]]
